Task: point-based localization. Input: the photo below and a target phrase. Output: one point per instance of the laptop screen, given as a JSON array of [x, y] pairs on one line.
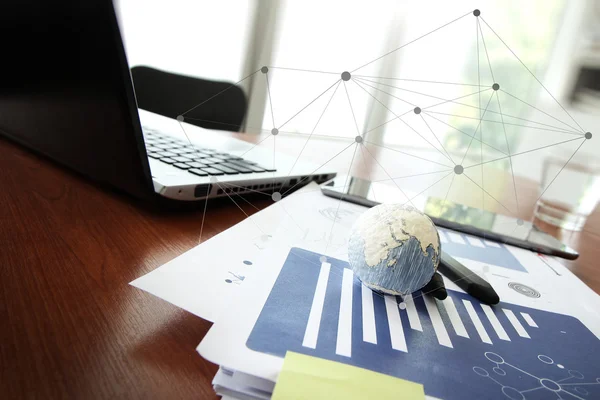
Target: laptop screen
[[66, 92]]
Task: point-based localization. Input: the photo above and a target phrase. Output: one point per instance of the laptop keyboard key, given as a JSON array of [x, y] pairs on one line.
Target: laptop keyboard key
[[239, 168], [153, 154], [243, 163], [182, 166], [228, 157], [213, 171], [196, 164], [182, 159], [196, 155], [212, 160], [256, 168], [168, 160], [247, 162], [198, 172], [227, 170], [190, 150], [166, 153]]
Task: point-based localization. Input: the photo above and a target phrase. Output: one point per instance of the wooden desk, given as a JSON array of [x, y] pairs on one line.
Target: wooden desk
[[72, 327]]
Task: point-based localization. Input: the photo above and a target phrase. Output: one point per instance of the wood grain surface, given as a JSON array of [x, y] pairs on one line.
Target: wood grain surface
[[71, 326]]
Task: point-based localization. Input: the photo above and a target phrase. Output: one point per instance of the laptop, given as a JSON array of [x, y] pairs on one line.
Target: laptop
[[66, 92]]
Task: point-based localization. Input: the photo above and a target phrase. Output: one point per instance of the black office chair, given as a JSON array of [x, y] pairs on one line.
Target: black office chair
[[170, 95]]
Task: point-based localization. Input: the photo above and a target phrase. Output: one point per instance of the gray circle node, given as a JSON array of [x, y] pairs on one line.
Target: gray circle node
[[264, 69], [481, 372], [323, 259], [560, 366], [402, 306], [476, 13], [576, 374], [520, 222], [493, 357], [598, 380], [358, 139], [180, 118], [458, 169], [495, 86], [346, 76], [274, 131], [276, 196], [550, 385], [213, 179], [545, 359], [582, 391], [417, 110], [588, 135], [499, 371], [512, 393]]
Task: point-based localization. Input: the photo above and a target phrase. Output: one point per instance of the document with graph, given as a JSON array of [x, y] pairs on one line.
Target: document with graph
[[538, 343]]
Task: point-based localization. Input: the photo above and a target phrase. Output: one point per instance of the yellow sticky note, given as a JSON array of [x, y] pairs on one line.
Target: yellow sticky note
[[306, 377]]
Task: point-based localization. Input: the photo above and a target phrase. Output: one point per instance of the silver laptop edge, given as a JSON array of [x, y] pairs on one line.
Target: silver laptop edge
[[178, 184]]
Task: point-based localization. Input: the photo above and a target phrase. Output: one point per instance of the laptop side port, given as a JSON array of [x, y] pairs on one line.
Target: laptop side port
[[202, 190]]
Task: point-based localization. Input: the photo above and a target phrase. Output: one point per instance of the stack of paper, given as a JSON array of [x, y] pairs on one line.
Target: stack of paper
[[286, 287]]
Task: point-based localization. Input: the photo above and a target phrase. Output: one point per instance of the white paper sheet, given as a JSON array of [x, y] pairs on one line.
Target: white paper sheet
[[205, 279]]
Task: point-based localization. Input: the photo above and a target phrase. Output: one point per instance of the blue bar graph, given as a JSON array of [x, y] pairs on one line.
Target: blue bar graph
[[456, 348]]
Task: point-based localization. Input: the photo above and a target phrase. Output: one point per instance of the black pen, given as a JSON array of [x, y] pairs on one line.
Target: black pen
[[467, 280]]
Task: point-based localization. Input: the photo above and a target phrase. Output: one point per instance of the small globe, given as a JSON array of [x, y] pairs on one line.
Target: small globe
[[394, 249]]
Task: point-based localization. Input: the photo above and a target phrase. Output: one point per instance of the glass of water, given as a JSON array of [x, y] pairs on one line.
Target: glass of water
[[573, 195]]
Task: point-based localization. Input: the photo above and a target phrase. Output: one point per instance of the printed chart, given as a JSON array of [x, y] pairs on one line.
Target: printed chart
[[501, 352]]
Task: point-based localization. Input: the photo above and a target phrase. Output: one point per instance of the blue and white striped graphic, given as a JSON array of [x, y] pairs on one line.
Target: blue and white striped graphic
[[321, 309], [458, 244]]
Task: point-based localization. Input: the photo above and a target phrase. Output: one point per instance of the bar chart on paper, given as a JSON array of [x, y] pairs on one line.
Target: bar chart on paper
[[457, 348]]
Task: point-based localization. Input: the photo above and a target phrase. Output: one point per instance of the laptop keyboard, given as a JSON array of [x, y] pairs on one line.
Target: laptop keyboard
[[197, 160]]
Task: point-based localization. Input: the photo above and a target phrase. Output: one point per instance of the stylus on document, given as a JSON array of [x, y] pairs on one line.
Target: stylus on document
[[467, 280]]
